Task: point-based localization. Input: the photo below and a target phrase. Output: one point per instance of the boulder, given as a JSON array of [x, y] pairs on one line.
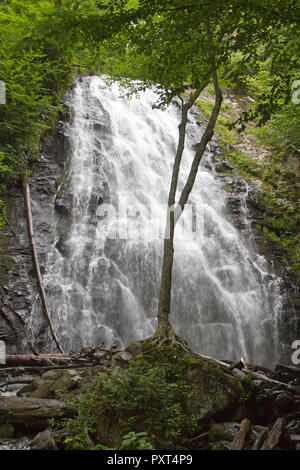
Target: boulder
[[44, 441], [214, 390], [223, 432]]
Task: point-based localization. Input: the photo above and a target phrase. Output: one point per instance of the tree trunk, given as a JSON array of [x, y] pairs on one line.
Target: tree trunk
[[163, 326], [164, 329], [36, 261]]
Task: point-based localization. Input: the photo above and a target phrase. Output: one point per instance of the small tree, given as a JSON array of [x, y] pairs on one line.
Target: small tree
[[180, 47]]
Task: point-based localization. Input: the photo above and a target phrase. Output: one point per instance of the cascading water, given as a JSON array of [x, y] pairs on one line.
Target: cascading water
[[103, 272]]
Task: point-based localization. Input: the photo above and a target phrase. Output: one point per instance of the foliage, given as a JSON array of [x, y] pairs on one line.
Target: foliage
[[145, 404], [282, 132], [279, 203]]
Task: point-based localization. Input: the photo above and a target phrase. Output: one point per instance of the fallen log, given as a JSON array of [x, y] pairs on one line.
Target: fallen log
[[36, 261], [240, 438], [31, 413], [274, 435], [272, 381], [26, 360], [259, 440], [17, 381], [42, 369], [292, 371]]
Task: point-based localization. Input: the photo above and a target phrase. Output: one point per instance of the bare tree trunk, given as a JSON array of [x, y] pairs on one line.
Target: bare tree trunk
[[164, 326], [36, 261], [164, 329]]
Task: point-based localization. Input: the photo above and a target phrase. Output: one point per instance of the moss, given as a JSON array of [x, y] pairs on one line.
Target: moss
[[164, 392], [227, 187], [280, 203]]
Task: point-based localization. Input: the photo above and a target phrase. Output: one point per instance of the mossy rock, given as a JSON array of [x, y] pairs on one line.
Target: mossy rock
[[214, 388], [223, 432]]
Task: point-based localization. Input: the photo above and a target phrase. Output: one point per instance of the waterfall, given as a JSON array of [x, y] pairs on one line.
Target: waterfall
[[103, 271]]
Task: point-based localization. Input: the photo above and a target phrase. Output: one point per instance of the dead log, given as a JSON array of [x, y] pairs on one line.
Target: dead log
[[240, 438], [42, 369], [33, 414], [259, 440], [17, 381], [35, 260], [24, 360], [48, 360], [274, 435], [272, 381], [292, 371]]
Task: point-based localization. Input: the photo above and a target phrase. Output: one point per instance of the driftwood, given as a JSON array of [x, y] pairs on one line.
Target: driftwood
[[41, 369], [274, 435], [197, 438], [17, 381], [41, 360], [240, 438], [86, 355], [259, 440], [272, 381], [290, 370], [36, 262]]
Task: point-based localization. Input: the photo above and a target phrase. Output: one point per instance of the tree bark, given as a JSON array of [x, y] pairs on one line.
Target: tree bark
[[35, 260], [275, 433], [240, 437], [163, 326], [164, 329]]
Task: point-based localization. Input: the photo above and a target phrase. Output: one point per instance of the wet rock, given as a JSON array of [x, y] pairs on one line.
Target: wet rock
[[293, 426], [213, 390], [223, 166], [64, 204], [284, 402], [44, 441], [120, 362], [54, 381]]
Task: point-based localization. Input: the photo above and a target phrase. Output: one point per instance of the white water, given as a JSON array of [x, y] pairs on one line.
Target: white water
[[224, 301]]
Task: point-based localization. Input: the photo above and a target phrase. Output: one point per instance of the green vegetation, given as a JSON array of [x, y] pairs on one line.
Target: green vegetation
[[42, 47], [141, 406], [278, 170]]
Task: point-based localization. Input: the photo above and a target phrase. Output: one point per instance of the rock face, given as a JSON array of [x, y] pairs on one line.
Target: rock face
[[16, 268], [48, 190], [246, 212]]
